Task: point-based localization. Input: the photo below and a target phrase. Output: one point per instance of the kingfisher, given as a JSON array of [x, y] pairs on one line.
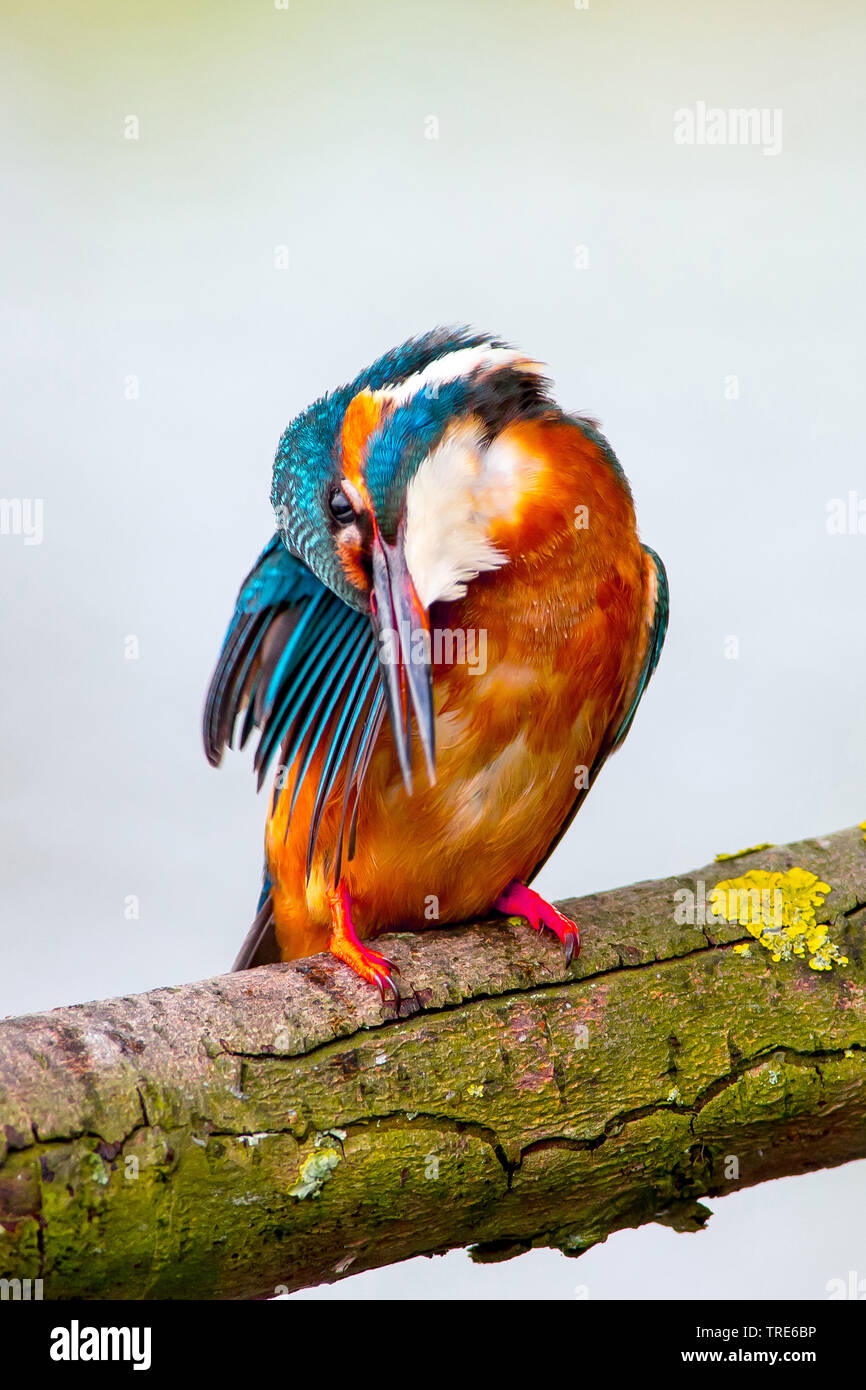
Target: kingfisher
[[448, 634]]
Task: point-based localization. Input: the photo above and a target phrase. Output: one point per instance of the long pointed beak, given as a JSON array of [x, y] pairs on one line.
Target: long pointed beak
[[402, 626]]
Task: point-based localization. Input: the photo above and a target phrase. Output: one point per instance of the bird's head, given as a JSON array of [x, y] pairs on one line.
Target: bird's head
[[390, 490]]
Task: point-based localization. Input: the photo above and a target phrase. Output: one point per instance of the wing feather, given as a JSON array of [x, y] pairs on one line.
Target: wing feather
[[299, 666]]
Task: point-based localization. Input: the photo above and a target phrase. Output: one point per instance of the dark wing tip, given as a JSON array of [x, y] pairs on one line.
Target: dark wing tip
[[260, 944]]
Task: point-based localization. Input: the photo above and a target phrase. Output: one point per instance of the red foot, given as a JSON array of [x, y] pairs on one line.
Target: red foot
[[520, 901], [346, 946]]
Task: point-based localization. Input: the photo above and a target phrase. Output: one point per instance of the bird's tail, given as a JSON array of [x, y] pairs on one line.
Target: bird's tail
[[260, 945]]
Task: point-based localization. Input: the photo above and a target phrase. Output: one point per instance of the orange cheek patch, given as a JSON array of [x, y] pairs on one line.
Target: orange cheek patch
[[362, 417], [350, 553]]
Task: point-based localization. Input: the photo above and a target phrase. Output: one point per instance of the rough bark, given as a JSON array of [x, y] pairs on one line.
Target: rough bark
[[279, 1128]]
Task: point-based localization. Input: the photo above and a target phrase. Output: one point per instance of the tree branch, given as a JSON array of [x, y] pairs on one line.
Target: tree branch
[[279, 1128]]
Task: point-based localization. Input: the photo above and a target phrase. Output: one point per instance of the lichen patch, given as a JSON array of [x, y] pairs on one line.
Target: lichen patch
[[316, 1169], [778, 909], [738, 854]]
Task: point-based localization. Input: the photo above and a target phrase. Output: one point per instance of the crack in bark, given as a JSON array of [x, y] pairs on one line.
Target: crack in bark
[[617, 1123], [425, 1119], [346, 1040]]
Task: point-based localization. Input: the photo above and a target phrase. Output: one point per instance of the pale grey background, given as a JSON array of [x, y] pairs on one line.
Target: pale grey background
[[306, 128]]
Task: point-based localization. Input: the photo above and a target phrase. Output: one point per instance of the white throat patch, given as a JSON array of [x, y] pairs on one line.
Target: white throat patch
[[459, 490]]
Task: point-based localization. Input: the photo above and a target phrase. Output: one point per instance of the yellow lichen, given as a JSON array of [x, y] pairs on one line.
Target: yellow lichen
[[779, 911], [862, 827], [753, 849]]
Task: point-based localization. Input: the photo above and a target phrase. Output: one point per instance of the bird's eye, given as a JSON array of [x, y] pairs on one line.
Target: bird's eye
[[341, 508]]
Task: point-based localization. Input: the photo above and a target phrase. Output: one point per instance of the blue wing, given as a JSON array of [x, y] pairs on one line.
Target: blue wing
[[658, 629], [657, 617], [300, 666]]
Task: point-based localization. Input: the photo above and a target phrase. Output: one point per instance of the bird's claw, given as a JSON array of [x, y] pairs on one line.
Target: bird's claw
[[520, 901], [381, 974], [346, 946], [378, 971]]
